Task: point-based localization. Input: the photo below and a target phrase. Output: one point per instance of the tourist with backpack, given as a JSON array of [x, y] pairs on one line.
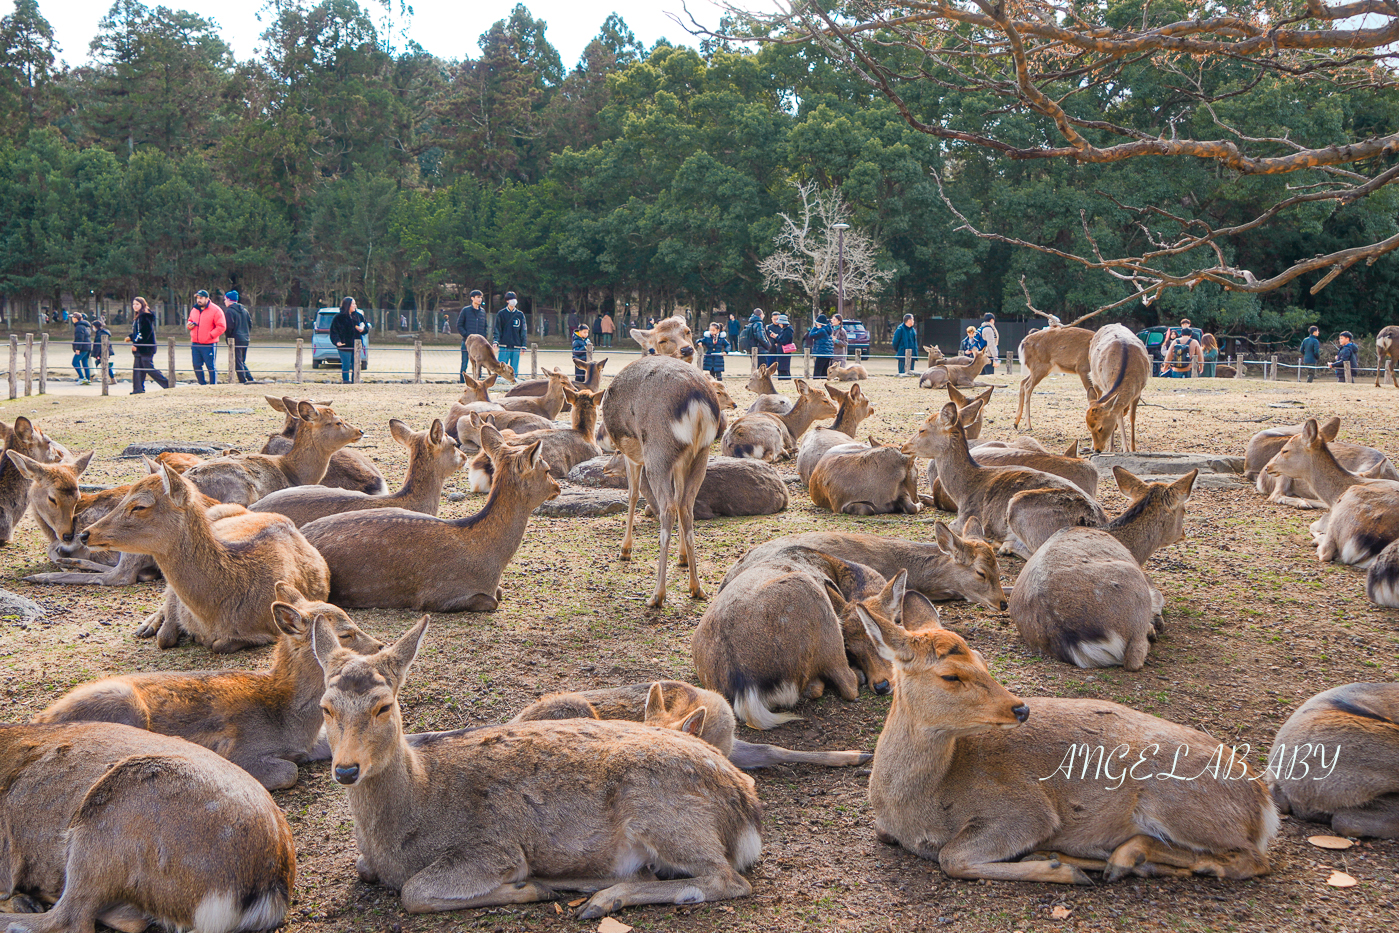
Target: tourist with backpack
[[82, 349], [1179, 358]]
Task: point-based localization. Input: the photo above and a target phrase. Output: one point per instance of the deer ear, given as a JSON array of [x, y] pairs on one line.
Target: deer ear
[[890, 641], [802, 387], [958, 398], [655, 703], [892, 596], [82, 462], [488, 381], [948, 416], [1182, 486], [324, 642], [971, 411], [27, 467], [152, 467], [402, 653], [172, 484], [276, 403], [1073, 450], [836, 395], [694, 723], [400, 432], [285, 592], [491, 441], [1131, 487], [436, 432], [292, 407], [600, 363], [24, 428], [289, 619], [946, 540], [1331, 428], [306, 411], [570, 393], [1311, 435], [836, 597], [642, 337], [972, 529], [535, 454]]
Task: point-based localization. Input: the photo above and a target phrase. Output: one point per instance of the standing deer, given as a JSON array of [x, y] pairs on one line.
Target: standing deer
[[1053, 350], [516, 813], [1387, 351], [25, 438], [469, 555], [1119, 361], [481, 353], [766, 436], [130, 828], [970, 774]]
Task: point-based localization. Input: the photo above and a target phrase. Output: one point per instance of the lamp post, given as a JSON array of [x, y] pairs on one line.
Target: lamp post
[[840, 267]]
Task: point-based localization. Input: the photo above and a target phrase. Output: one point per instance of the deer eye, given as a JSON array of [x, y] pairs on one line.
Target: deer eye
[[952, 678], [383, 710]]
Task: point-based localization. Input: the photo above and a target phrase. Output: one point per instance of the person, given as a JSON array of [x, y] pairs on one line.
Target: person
[[972, 342], [344, 335], [142, 342], [715, 346], [511, 332], [240, 328], [206, 325], [573, 320], [606, 328], [733, 328], [1178, 355], [905, 339], [362, 328], [82, 349], [754, 335], [991, 340], [784, 343], [840, 340], [1209, 355], [100, 330], [580, 353], [1311, 351], [823, 345], [1348, 353], [471, 320]]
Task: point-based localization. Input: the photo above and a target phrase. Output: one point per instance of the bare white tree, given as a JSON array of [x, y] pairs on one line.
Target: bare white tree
[[807, 252]]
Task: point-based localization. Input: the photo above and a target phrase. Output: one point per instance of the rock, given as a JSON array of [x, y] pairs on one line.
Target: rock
[[13, 605], [232, 411], [455, 496], [590, 473], [152, 448], [94, 487], [1159, 465], [584, 503]]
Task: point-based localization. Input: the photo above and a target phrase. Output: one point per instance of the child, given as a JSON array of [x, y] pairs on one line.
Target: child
[[581, 346], [715, 346], [1346, 354]]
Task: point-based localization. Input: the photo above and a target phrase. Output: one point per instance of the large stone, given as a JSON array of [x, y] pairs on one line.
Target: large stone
[[591, 473], [1159, 465], [584, 503], [152, 448], [13, 605]]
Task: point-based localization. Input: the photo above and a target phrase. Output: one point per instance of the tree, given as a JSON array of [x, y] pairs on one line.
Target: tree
[[28, 53], [809, 248]]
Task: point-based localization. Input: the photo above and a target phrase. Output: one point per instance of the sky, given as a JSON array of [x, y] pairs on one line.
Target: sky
[[446, 28]]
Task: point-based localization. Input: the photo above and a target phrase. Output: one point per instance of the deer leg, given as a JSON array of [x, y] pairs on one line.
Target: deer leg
[[633, 492], [1087, 864], [271, 773], [460, 879], [667, 517], [977, 851], [694, 479], [1134, 424], [721, 884], [859, 508], [1380, 818], [1147, 857]]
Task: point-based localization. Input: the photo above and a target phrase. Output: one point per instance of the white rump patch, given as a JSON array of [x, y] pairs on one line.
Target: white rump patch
[[1352, 553], [218, 913], [480, 480], [758, 451], [1271, 823], [753, 707], [747, 849], [697, 426], [1105, 653]]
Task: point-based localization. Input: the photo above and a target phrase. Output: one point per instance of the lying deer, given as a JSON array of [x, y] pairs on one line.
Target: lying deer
[[846, 372], [1356, 791], [1364, 513], [1382, 579], [432, 457], [348, 469], [475, 396], [592, 380], [670, 704], [760, 381], [246, 478], [266, 722], [468, 427], [130, 828], [28, 439], [853, 407], [783, 628], [1083, 597], [1387, 352], [562, 448], [954, 567], [1053, 350], [731, 487], [1082, 473], [1363, 461], [951, 374], [221, 564], [547, 404], [937, 358], [599, 816], [1118, 360], [480, 353], [993, 786], [765, 436], [469, 555], [854, 479], [973, 430]]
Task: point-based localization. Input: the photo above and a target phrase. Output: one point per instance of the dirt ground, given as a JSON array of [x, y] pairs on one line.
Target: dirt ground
[[1254, 627]]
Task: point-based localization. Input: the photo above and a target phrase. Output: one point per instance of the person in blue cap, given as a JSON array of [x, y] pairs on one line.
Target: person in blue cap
[[240, 328]]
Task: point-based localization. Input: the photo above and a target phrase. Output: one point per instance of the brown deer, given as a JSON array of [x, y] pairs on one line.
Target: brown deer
[[348, 469], [475, 396], [670, 704], [972, 775], [1387, 352], [853, 407], [951, 374], [853, 479], [1382, 579], [221, 564], [765, 436], [973, 430], [846, 372], [480, 353], [246, 478], [731, 487], [432, 457], [1053, 350], [468, 428], [761, 383], [592, 380], [1082, 473], [670, 337], [469, 555], [266, 722], [1364, 513], [1119, 361], [131, 828], [952, 567], [577, 805], [562, 448], [1083, 597], [937, 358], [785, 627], [1363, 461], [547, 404], [662, 414], [25, 438], [983, 491], [1336, 761]]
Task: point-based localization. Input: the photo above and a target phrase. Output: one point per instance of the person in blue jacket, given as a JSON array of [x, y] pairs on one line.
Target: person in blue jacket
[[715, 346], [823, 346], [1311, 351], [906, 338], [1347, 354], [580, 353]]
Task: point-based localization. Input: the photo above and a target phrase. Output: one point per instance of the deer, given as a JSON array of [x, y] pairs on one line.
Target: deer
[[547, 404], [1382, 579], [28, 439], [1363, 461], [937, 358], [950, 567], [846, 372], [562, 448], [853, 407], [852, 479], [1355, 792], [598, 816], [469, 555], [432, 457], [1068, 465], [592, 380], [1083, 597], [475, 396], [973, 430], [662, 414], [468, 427], [221, 564], [731, 487], [266, 722], [766, 436], [670, 704], [946, 374], [761, 383], [1052, 350], [984, 491], [992, 785], [131, 828], [246, 478], [670, 337], [1387, 352], [348, 469], [785, 627], [1364, 513], [480, 353], [1120, 361]]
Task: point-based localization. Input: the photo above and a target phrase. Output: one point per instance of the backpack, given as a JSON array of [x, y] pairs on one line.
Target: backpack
[[1180, 353], [757, 336]]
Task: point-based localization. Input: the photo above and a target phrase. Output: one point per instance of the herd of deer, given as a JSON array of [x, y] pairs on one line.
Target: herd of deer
[[635, 795]]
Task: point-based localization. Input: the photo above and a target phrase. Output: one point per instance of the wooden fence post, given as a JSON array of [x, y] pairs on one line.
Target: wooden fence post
[[533, 362], [232, 367], [1299, 370], [908, 362], [43, 364], [14, 366], [354, 372], [170, 360], [1239, 367], [417, 361], [28, 365], [754, 352], [102, 364], [1350, 376], [806, 362], [300, 346]]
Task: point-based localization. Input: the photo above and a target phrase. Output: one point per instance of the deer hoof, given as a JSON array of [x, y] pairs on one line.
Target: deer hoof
[[625, 555], [697, 593], [656, 600]]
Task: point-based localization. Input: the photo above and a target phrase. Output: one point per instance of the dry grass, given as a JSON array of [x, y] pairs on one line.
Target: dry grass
[[1254, 627]]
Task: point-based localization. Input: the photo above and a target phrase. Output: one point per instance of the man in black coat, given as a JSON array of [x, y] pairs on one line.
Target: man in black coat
[[472, 320], [511, 334], [240, 328], [142, 342]]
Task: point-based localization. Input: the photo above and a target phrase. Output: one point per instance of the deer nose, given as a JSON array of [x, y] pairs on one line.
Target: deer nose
[[687, 352], [1004, 605], [68, 538], [883, 689], [348, 774], [651, 351], [82, 537], [1022, 713]]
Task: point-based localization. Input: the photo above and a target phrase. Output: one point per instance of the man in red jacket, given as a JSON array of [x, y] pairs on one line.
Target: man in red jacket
[[206, 325]]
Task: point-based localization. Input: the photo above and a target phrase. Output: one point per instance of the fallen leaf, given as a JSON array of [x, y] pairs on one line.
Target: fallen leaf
[[609, 925], [577, 902], [1338, 879], [1330, 842], [557, 908], [1061, 913]]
